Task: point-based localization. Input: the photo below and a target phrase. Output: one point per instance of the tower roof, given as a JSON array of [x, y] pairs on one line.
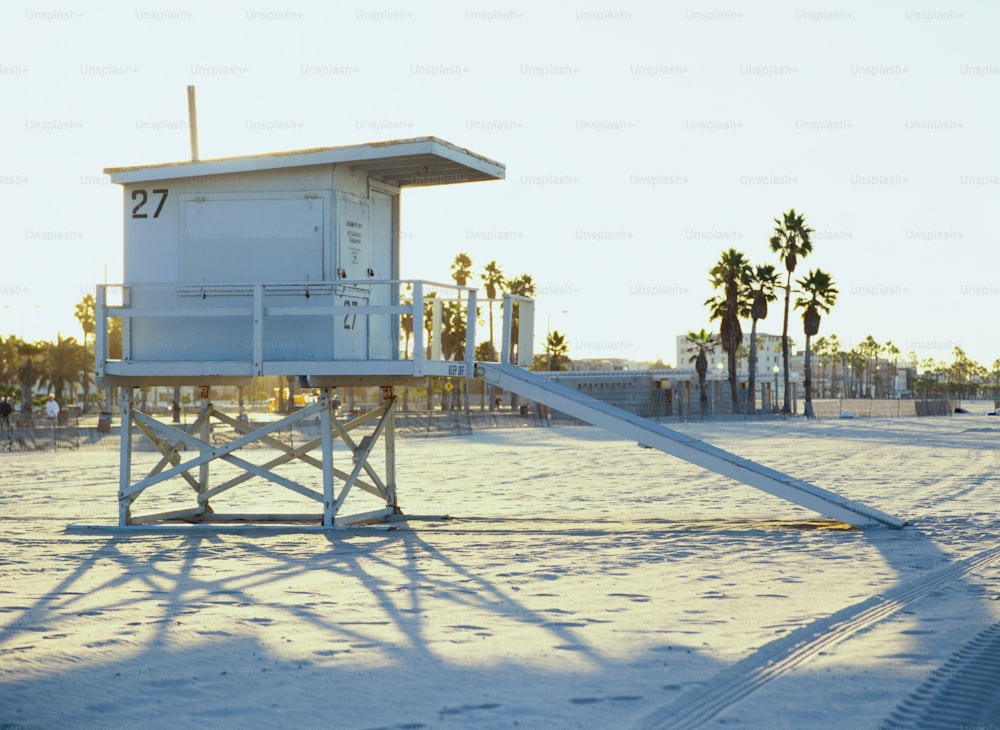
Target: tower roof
[[415, 162]]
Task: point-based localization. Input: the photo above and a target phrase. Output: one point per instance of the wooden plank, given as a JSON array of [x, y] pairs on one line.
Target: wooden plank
[[177, 514], [363, 517]]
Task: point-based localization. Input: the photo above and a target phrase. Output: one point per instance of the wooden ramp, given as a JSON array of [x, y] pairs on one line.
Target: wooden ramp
[[674, 443]]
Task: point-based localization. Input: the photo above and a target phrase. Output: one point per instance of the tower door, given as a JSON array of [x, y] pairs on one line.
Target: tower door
[[354, 251], [383, 329]]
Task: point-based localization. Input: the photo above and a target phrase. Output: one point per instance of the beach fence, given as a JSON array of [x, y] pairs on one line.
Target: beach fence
[[409, 424], [895, 407], [865, 408]]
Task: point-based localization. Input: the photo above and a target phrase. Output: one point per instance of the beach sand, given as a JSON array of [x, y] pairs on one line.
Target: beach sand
[[580, 582]]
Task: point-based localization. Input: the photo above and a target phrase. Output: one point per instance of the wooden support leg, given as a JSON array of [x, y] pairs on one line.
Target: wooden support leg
[[326, 431], [390, 451], [205, 433], [125, 465]]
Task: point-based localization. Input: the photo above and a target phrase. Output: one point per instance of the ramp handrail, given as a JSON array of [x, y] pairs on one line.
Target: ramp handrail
[[652, 434], [517, 341]]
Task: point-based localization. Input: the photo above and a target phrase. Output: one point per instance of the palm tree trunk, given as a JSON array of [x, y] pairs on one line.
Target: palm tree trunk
[[786, 407], [808, 368], [734, 382], [752, 370]]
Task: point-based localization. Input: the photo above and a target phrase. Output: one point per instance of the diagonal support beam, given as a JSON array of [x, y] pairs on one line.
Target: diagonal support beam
[[209, 452], [363, 450], [171, 439]]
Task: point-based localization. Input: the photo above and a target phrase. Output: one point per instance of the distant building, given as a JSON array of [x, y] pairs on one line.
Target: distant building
[[604, 363], [768, 354]]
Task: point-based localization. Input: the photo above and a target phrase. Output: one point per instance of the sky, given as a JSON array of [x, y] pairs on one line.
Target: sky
[[641, 140]]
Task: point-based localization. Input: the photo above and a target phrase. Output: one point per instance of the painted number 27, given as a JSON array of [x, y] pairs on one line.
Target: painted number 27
[[142, 197]]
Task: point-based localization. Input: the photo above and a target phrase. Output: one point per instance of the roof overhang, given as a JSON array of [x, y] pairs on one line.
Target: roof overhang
[[413, 162]]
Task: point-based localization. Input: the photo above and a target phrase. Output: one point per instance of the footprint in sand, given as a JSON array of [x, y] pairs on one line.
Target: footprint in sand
[[634, 597]]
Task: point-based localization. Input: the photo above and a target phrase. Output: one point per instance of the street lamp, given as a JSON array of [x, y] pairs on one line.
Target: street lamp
[[774, 397], [20, 312]]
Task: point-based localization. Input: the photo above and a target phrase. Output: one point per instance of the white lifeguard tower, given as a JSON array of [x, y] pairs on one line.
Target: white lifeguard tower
[[282, 264], [287, 264]]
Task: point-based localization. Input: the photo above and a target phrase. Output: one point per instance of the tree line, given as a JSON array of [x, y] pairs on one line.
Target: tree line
[[869, 369], [58, 366]]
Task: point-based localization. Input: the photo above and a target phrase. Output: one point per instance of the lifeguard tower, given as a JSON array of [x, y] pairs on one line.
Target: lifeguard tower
[[283, 264], [288, 264]]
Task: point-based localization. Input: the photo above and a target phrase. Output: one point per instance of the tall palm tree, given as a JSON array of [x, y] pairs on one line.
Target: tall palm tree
[[524, 286], [791, 241], [833, 345], [818, 295], [406, 320], [821, 350], [731, 274], [86, 315], [870, 348], [894, 352], [761, 285], [702, 344], [995, 389], [452, 319], [493, 280]]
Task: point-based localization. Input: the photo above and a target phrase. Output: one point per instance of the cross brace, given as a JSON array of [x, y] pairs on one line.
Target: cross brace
[[171, 440]]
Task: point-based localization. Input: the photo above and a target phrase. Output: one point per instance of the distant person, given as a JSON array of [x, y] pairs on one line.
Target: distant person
[[6, 409], [52, 409]]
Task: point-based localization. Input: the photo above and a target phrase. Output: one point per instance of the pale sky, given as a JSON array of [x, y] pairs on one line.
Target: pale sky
[[641, 140]]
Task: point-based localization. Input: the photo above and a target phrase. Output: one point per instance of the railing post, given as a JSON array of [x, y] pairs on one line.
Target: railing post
[[436, 329], [470, 331], [258, 330], [126, 324], [525, 332], [100, 331], [418, 327], [508, 323]]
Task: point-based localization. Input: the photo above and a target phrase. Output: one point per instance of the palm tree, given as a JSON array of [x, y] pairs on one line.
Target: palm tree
[[9, 361], [892, 351], [821, 349], [870, 349], [493, 280], [703, 344], [461, 269], [761, 285], [86, 315], [791, 240], [833, 346], [995, 390], [65, 364], [819, 294], [406, 320], [731, 274], [523, 286], [556, 351]]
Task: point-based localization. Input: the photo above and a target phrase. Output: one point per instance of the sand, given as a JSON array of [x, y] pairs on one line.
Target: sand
[[580, 582]]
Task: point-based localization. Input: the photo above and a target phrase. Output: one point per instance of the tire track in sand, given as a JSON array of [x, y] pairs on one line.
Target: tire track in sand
[[962, 693], [784, 654]]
